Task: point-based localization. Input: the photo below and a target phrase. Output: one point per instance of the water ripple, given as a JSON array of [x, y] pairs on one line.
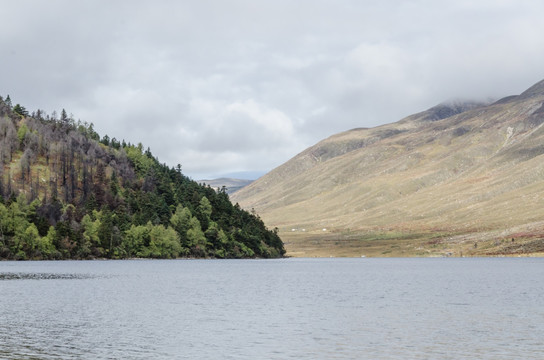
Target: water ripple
[[282, 309], [43, 276]]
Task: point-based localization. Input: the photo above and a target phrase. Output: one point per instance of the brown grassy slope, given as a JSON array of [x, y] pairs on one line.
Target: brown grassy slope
[[479, 171]]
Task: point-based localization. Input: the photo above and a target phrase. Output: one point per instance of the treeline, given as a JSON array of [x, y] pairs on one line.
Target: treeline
[[66, 193]]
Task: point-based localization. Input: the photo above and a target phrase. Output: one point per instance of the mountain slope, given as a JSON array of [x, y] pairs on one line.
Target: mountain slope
[[474, 171], [66, 193]]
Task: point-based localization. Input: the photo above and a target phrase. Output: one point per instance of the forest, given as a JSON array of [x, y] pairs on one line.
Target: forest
[[67, 193]]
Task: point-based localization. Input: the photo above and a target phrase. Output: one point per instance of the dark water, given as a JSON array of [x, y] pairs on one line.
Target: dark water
[[273, 309]]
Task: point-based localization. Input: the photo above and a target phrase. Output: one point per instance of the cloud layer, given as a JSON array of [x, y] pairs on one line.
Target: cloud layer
[[229, 86]]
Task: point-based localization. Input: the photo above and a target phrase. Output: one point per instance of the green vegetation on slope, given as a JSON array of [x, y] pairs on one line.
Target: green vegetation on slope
[[66, 193]]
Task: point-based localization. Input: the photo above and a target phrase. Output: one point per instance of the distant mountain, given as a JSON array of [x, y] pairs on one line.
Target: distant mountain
[[66, 193], [458, 178], [230, 185]]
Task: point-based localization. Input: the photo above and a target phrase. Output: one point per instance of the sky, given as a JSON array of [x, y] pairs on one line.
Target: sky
[[238, 87]]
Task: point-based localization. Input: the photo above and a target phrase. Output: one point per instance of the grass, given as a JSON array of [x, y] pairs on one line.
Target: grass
[[38, 168], [409, 244]]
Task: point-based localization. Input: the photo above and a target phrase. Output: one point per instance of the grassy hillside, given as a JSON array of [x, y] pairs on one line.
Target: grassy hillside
[[457, 178], [67, 193]]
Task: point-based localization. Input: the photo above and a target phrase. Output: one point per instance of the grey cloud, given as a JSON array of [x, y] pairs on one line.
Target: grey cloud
[[242, 85]]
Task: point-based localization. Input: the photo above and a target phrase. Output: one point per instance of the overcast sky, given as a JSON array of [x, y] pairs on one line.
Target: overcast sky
[[224, 86]]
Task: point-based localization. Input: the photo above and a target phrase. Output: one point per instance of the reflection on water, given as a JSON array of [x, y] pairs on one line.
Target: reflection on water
[[280, 309]]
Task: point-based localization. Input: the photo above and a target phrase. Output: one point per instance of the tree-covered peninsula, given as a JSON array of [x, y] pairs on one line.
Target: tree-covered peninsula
[[67, 193]]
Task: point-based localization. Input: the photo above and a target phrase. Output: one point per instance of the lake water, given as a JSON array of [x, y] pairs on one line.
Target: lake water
[[273, 309]]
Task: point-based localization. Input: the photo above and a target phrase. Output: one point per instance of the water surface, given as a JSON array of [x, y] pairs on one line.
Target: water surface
[[273, 309]]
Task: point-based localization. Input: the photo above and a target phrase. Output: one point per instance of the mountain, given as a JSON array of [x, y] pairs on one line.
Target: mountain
[[459, 178], [66, 193], [229, 185]]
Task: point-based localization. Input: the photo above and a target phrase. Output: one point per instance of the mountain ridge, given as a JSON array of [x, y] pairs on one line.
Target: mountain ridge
[[228, 184], [428, 170]]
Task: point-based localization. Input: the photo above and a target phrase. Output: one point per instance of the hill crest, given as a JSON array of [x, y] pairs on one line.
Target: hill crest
[[67, 193], [463, 169], [230, 185]]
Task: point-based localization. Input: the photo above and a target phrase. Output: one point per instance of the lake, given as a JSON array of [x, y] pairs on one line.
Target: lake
[[469, 308]]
